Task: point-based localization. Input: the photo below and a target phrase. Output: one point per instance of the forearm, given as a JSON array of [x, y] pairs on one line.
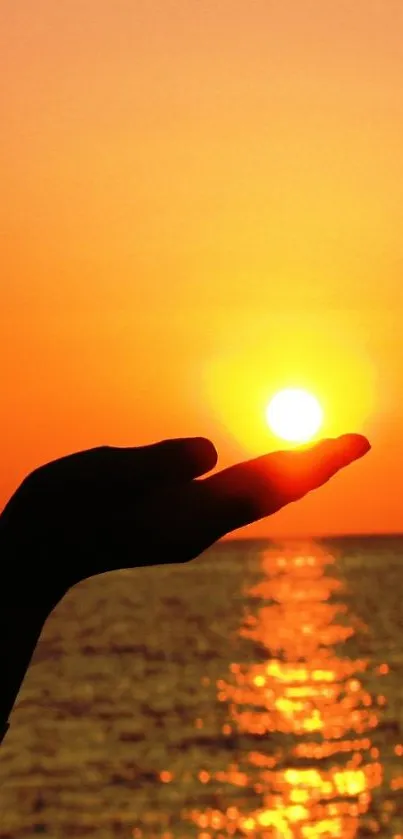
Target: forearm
[[20, 628], [22, 618]]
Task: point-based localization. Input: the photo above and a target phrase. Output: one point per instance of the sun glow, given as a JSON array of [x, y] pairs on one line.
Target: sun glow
[[294, 415]]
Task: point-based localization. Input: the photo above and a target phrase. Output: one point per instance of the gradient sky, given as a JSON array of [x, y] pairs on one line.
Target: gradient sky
[[202, 203]]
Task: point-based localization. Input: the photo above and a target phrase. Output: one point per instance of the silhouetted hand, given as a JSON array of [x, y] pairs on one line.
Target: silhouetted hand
[[109, 508]]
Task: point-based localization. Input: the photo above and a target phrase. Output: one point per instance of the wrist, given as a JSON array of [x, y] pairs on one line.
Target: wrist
[[25, 584]]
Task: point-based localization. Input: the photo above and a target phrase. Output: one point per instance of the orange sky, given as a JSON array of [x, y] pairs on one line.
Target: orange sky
[[202, 202]]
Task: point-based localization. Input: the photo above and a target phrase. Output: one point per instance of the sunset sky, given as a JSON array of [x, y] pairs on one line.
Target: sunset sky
[[202, 202]]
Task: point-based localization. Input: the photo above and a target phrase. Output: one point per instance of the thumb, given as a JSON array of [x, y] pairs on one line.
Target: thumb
[[257, 488], [197, 514]]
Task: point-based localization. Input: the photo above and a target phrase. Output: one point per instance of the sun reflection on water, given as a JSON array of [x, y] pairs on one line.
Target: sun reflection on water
[[300, 715]]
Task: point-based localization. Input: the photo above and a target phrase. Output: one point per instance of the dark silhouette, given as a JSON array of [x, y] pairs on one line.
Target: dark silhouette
[[110, 508]]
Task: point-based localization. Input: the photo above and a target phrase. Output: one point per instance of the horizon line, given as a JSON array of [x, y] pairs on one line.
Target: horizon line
[[313, 537]]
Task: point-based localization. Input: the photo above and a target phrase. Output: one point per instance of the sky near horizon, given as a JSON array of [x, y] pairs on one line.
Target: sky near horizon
[[201, 204]]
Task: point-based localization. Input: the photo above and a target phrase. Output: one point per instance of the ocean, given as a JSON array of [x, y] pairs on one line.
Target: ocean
[[255, 692]]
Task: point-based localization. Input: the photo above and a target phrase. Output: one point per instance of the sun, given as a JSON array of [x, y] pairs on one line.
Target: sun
[[294, 415]]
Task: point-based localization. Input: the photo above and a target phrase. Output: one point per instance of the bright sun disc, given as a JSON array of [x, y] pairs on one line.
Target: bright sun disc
[[294, 415]]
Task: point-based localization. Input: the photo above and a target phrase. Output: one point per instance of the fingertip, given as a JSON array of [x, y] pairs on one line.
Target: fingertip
[[331, 455], [205, 453], [350, 447], [356, 443]]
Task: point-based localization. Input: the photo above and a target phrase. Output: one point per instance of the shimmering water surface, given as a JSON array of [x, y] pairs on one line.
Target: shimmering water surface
[[257, 692]]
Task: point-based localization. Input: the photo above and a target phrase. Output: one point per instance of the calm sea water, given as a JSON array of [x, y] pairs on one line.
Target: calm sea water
[[257, 692]]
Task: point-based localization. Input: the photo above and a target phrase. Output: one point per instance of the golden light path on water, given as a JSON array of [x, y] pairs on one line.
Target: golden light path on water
[[305, 703]]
